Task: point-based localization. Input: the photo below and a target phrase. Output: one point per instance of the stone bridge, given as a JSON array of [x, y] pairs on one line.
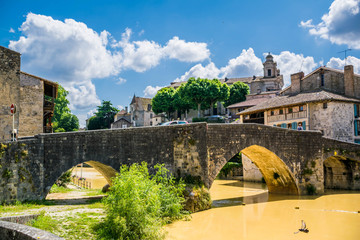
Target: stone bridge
[[291, 161]]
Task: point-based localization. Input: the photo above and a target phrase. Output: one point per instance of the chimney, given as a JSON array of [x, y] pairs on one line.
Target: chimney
[[296, 82], [349, 80], [126, 109]]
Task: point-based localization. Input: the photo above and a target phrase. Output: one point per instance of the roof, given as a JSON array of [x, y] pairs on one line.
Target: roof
[[140, 103], [304, 97], [125, 118], [41, 79], [248, 103]]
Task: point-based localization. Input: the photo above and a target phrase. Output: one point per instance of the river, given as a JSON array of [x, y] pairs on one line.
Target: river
[[247, 211]]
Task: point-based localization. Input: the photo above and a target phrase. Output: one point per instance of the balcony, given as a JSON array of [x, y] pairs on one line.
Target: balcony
[[288, 116]]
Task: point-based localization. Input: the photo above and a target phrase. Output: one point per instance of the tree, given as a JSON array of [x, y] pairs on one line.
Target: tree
[[103, 117], [196, 92], [63, 120], [164, 101], [238, 92], [217, 91], [182, 104]]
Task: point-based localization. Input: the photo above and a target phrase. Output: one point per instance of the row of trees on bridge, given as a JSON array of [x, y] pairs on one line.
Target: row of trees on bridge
[[198, 94]]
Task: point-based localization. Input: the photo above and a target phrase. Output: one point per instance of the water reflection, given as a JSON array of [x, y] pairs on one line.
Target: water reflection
[[247, 211]]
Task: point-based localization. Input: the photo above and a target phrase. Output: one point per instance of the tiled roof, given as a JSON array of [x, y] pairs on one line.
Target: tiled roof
[[248, 103], [289, 100]]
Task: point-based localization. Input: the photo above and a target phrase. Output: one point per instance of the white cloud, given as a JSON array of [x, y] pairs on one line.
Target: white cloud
[[209, 71], [246, 64], [73, 54], [186, 51], [91, 113], [340, 25], [338, 63], [141, 32], [121, 81], [120, 107], [290, 63], [151, 91], [11, 30]]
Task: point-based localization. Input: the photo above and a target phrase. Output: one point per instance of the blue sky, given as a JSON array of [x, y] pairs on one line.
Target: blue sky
[[111, 50]]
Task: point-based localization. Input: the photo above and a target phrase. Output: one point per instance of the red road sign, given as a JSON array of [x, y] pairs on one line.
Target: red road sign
[[12, 109]]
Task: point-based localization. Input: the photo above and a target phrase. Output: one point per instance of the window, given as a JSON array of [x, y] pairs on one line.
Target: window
[[151, 116], [269, 72], [281, 111], [301, 108], [324, 105], [290, 110], [322, 80], [356, 110], [272, 113], [357, 127]]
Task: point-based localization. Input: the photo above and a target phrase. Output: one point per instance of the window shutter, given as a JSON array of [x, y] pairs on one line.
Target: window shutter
[[355, 110], [283, 125], [294, 125], [274, 125], [356, 127], [304, 125]]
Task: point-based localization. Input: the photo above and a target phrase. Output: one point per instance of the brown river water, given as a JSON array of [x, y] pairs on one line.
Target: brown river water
[[246, 211]]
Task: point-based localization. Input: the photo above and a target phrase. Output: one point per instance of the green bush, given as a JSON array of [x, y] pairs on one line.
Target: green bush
[[200, 119], [139, 204], [228, 166], [64, 179]]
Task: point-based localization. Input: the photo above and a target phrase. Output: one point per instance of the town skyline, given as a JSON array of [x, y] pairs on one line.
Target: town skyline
[[116, 50]]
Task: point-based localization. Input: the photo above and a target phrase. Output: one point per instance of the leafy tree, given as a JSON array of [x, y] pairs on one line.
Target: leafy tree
[[63, 120], [103, 117], [238, 92], [182, 104], [196, 92], [164, 101], [217, 91]]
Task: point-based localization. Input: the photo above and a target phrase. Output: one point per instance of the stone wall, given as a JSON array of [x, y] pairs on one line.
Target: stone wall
[[14, 231], [9, 90], [251, 172], [341, 124], [333, 81], [31, 106]]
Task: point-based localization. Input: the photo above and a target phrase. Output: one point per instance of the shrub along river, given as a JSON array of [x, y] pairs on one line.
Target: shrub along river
[[247, 211]]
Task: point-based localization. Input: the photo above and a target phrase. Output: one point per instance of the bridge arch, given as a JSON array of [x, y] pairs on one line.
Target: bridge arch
[[276, 173], [106, 171], [341, 172]]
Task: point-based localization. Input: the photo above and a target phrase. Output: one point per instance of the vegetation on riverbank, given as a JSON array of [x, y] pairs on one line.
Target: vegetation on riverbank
[[139, 204]]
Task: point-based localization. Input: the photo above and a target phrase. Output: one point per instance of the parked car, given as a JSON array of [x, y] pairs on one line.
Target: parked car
[[215, 119], [174, 123]]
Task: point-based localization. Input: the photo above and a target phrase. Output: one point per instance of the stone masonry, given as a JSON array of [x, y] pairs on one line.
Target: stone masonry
[[9, 90], [289, 160]]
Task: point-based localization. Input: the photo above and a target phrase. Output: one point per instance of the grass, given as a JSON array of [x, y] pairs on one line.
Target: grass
[[56, 189], [71, 225], [24, 206]]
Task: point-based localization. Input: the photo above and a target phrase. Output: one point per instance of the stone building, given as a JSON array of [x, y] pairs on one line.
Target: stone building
[[265, 86], [32, 95], [122, 119], [141, 112], [326, 100]]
